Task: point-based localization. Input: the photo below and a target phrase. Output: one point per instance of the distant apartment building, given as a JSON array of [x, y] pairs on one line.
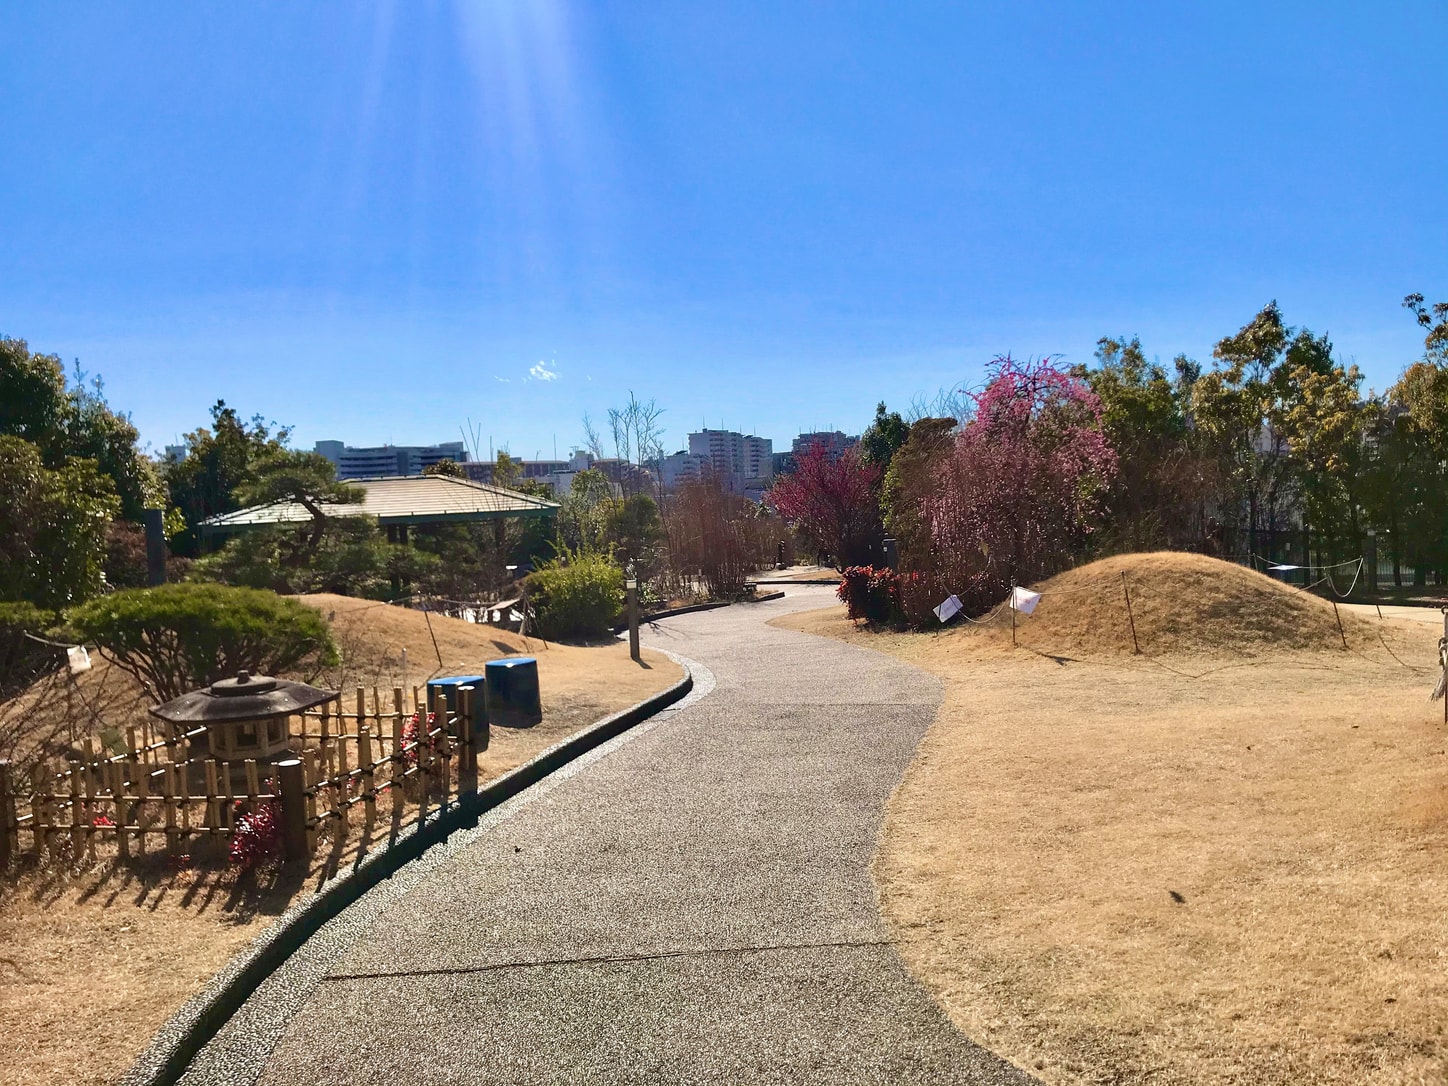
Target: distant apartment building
[[378, 460], [834, 441], [558, 475], [744, 463], [681, 467]]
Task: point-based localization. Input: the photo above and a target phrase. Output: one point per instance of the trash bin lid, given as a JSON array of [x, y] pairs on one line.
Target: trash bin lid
[[512, 661]]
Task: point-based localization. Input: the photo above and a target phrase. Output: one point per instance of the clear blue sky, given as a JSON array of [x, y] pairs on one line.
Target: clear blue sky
[[372, 221]]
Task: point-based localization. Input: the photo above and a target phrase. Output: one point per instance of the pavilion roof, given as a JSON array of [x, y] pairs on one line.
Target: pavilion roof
[[400, 499]]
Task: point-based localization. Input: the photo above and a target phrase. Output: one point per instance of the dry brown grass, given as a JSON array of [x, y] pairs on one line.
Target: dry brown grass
[[93, 961], [1222, 867]]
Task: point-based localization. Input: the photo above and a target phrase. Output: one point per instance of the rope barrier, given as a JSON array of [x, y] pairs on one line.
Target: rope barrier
[[47, 641]]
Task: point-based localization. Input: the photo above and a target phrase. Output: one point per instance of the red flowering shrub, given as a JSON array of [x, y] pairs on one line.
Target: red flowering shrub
[[412, 732], [867, 593], [255, 835], [883, 596]]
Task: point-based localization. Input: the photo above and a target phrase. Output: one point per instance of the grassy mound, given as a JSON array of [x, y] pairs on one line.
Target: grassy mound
[[1182, 603]]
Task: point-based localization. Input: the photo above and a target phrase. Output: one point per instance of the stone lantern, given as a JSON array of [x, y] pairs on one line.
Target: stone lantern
[[245, 717]]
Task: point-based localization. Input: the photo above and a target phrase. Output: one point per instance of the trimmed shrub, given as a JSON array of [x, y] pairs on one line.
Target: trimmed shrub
[[178, 637], [576, 596]]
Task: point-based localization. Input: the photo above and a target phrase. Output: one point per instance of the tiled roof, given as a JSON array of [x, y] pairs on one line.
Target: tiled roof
[[403, 499]]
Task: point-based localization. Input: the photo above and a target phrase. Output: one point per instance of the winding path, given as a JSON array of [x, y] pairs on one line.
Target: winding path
[[691, 903]]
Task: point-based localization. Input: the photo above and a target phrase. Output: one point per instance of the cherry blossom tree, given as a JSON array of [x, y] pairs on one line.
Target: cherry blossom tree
[[1023, 486], [832, 502]]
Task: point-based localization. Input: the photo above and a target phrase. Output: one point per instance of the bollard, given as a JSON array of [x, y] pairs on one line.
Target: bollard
[[631, 588], [294, 810]]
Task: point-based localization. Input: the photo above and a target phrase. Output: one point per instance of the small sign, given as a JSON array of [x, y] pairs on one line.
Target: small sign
[[78, 659], [949, 609], [1024, 600]]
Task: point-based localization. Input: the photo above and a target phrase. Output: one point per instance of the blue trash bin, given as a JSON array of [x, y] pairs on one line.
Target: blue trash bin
[[513, 698], [447, 689]]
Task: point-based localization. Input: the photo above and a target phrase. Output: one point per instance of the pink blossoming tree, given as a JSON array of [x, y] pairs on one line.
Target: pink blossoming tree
[[1021, 489], [832, 502]]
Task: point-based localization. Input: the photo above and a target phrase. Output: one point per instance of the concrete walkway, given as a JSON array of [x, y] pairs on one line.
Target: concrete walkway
[[690, 904]]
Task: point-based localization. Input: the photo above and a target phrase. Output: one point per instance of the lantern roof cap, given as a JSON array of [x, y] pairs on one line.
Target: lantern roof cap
[[246, 697]]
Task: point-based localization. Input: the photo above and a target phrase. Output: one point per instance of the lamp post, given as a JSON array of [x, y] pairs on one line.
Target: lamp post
[[631, 593]]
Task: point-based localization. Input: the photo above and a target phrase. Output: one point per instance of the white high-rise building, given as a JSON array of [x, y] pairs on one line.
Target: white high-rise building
[[835, 442], [381, 460], [744, 463]]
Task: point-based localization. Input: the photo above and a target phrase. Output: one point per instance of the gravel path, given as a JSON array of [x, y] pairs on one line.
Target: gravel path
[[691, 903]]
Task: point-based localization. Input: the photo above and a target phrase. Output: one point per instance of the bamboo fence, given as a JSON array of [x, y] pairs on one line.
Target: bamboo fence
[[158, 791]]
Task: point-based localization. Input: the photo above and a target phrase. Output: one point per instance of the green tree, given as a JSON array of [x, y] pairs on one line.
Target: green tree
[[450, 468], [33, 403], [52, 526], [585, 513], [507, 472], [307, 479], [218, 461], [883, 438], [1435, 319], [1155, 499], [635, 531], [1415, 450], [909, 482], [65, 422], [1229, 407], [1318, 411]]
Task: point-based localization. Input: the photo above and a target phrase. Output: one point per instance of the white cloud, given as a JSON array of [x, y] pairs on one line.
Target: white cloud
[[541, 372], [504, 380]]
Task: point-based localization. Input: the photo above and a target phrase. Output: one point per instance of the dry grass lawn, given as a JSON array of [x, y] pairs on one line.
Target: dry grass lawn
[[93, 961], [1222, 861]]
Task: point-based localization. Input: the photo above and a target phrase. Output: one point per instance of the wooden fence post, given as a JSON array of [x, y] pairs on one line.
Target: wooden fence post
[[369, 783], [293, 790], [173, 835], [9, 836], [77, 834], [40, 809], [467, 740], [399, 767]]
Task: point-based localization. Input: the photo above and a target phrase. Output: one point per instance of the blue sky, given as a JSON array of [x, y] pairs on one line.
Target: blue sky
[[374, 221]]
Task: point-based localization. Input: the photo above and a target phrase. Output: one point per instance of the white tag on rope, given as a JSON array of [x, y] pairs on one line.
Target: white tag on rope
[[949, 609], [78, 659], [1024, 600]]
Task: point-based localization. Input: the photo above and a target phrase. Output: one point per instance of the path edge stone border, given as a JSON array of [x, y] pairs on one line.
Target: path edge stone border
[[171, 1050]]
